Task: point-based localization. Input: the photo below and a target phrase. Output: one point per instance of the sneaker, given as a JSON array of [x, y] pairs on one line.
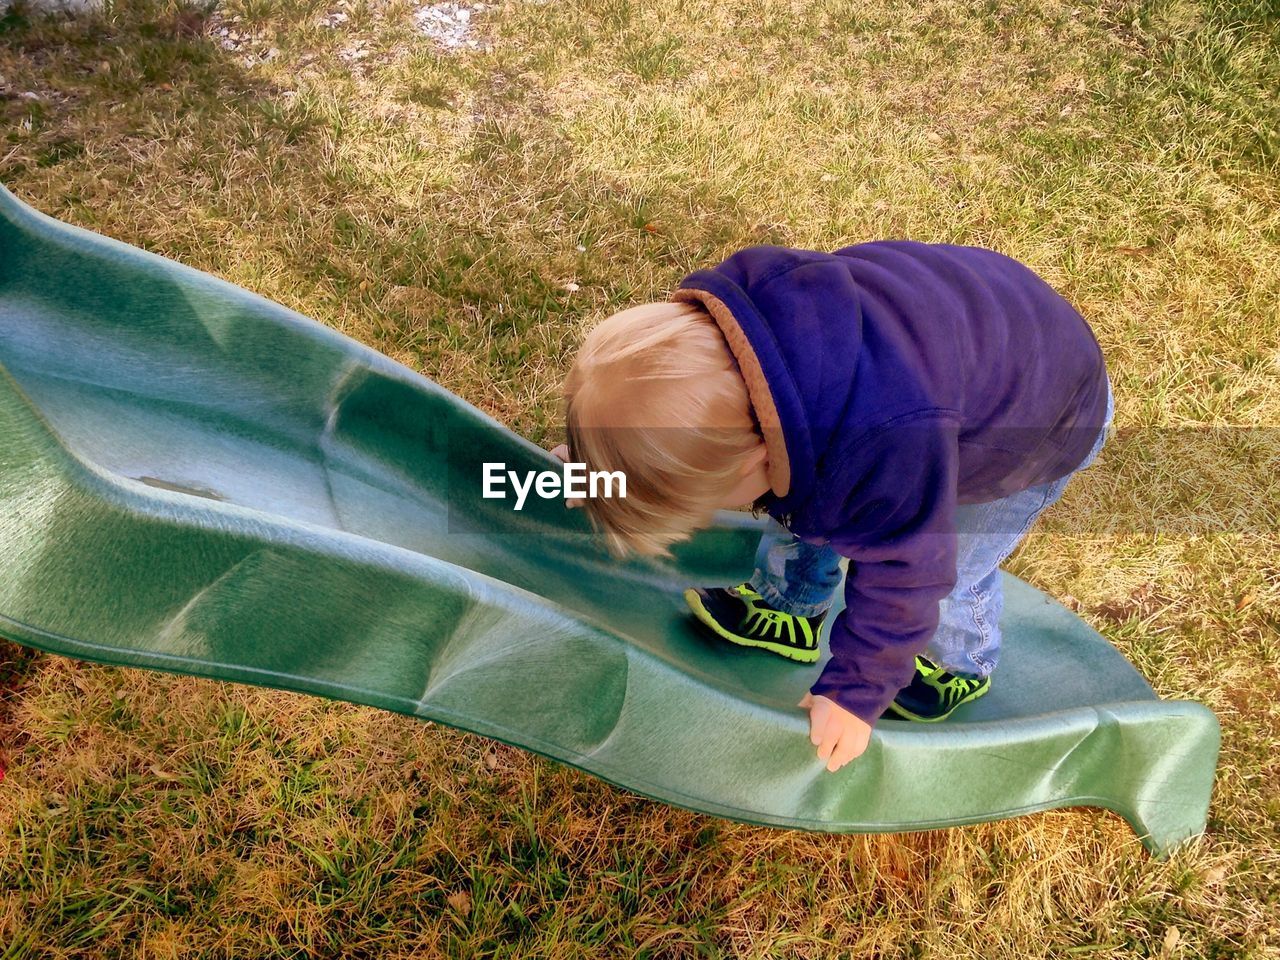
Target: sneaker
[[934, 694], [739, 615]]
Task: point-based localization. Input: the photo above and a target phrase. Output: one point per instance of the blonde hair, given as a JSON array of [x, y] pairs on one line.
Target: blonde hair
[[655, 392]]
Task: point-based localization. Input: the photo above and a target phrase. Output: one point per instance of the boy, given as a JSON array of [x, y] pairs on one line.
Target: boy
[[909, 407]]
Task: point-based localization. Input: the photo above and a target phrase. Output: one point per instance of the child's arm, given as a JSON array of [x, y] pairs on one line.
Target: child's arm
[[898, 531]]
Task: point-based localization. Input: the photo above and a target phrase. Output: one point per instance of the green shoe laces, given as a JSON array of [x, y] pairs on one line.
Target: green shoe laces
[[951, 688], [765, 622]]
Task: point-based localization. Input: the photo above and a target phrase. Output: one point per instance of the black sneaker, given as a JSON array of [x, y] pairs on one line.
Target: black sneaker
[[739, 615], [934, 694]]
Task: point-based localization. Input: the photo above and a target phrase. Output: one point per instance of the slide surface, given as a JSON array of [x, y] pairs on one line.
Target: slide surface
[[194, 479]]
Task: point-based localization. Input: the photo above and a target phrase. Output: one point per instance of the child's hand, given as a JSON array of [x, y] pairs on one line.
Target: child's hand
[[837, 733], [562, 453]]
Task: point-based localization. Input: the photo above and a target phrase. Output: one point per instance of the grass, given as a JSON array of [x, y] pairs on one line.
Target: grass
[[439, 206]]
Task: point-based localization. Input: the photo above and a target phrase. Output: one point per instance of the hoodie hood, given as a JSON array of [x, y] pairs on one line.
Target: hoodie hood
[[793, 322]]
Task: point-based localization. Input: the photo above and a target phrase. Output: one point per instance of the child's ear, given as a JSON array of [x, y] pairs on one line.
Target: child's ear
[[755, 460]]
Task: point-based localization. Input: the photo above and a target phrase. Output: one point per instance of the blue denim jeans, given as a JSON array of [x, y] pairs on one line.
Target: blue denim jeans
[[801, 578]]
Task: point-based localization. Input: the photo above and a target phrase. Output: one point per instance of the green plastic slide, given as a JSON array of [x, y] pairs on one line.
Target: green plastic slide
[[194, 479]]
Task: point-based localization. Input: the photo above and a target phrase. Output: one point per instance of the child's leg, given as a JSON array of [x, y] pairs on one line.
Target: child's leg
[[781, 607], [967, 641], [793, 576]]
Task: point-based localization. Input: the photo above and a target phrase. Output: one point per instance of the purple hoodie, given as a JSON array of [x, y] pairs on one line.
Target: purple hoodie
[[892, 381]]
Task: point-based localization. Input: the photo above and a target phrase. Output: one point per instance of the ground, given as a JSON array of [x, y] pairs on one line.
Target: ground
[[467, 193]]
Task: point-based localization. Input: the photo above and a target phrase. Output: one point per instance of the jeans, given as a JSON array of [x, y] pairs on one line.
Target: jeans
[[800, 578]]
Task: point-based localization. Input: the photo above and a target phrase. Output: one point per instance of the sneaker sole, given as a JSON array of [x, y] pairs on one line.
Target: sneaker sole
[[906, 714], [704, 617]]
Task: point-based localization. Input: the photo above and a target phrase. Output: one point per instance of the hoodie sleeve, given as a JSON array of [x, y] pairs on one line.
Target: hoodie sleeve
[[898, 531]]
